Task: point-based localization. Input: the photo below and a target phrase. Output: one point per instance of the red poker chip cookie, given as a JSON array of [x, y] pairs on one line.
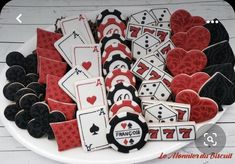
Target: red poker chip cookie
[[111, 26], [116, 48], [124, 106], [119, 76]]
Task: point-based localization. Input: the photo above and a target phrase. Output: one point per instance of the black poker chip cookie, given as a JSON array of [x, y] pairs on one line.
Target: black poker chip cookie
[[122, 91], [11, 111], [127, 132], [10, 90], [15, 73]]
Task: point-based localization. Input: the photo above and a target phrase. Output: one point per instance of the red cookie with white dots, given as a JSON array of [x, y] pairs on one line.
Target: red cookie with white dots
[[48, 66], [182, 21], [184, 81], [53, 90], [189, 62], [46, 39], [197, 37], [202, 109], [66, 134], [68, 109]]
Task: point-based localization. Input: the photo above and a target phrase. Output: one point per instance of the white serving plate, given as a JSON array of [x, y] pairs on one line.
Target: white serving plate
[[48, 148]]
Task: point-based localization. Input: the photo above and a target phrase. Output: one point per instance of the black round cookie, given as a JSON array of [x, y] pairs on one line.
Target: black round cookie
[[15, 73], [39, 110], [28, 100], [11, 111], [37, 87], [10, 90], [36, 128], [15, 58], [31, 63], [31, 77], [22, 118]]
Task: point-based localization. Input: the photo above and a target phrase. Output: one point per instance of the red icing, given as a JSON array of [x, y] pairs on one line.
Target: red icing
[[180, 61], [197, 37], [51, 54], [182, 21], [184, 81], [66, 134], [202, 109], [53, 90]]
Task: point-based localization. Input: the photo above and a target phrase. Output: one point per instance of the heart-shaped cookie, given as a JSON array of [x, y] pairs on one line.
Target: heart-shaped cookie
[[197, 37], [202, 109], [184, 81], [180, 61], [182, 21]]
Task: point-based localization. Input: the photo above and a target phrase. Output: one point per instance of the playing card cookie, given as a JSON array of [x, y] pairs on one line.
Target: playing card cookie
[[183, 81], [202, 109], [182, 21], [189, 62], [197, 37]]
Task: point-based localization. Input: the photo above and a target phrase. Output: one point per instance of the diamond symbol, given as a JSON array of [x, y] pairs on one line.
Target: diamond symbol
[[125, 142]]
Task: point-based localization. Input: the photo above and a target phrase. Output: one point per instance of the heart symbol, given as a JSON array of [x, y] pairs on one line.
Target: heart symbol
[[86, 65], [197, 37], [182, 21], [123, 125], [184, 81], [91, 99], [202, 109], [180, 61]]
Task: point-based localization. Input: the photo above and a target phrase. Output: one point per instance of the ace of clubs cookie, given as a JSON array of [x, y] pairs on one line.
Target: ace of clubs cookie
[[79, 25], [92, 127], [90, 93], [89, 57], [64, 45], [70, 78]]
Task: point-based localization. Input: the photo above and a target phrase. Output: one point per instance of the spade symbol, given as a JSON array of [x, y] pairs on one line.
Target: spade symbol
[[94, 129], [131, 141], [129, 125]]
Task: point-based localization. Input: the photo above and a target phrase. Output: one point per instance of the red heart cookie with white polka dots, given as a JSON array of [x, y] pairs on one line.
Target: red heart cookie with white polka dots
[[184, 81], [182, 21], [196, 38], [202, 109], [180, 61]]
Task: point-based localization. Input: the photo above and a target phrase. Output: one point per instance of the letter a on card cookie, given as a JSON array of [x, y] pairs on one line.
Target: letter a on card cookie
[[88, 56], [90, 93]]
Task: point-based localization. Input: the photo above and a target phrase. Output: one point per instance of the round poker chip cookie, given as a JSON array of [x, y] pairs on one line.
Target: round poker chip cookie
[[127, 132], [15, 58], [119, 76], [10, 90], [116, 48], [107, 13], [111, 39], [124, 106], [111, 26], [15, 73], [122, 91], [115, 62]]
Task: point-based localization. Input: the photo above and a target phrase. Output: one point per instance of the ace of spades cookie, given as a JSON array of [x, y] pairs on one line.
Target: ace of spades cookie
[[88, 56], [92, 125], [90, 93]]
